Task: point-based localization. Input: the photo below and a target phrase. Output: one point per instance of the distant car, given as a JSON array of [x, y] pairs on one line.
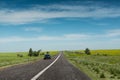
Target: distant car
[[47, 56]]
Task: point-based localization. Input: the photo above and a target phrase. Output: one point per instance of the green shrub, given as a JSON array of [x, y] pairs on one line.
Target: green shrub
[[118, 77], [97, 70], [111, 71], [42, 53], [102, 75], [19, 55], [105, 55], [112, 77]]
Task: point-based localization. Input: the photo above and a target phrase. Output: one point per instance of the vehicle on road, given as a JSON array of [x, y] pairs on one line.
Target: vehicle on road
[[47, 56]]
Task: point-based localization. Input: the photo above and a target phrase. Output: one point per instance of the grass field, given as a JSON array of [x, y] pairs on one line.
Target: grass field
[[9, 58], [100, 65]]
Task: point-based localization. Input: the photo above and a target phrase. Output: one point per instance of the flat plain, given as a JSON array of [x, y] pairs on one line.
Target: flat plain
[[100, 65]]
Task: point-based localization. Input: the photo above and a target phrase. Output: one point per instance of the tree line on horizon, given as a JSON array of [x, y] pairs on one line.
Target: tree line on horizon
[[37, 53]]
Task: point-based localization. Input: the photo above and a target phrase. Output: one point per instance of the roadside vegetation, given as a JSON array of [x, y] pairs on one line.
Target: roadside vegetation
[[12, 58], [99, 65]]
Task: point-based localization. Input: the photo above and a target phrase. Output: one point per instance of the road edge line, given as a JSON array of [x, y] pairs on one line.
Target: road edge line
[[41, 72]]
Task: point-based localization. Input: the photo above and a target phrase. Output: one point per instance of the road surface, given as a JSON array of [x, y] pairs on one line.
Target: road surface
[[61, 69]]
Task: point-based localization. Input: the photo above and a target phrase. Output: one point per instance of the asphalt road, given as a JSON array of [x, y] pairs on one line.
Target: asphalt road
[[60, 70]]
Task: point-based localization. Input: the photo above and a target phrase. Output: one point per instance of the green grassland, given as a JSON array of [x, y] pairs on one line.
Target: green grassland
[[100, 65], [11, 58]]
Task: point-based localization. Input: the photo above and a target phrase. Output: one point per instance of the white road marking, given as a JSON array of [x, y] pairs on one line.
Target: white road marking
[[41, 72]]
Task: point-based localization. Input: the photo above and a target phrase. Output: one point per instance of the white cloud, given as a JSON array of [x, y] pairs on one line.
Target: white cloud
[[33, 29], [46, 38], [77, 36], [42, 13], [67, 41], [109, 34], [113, 33], [23, 39], [12, 39]]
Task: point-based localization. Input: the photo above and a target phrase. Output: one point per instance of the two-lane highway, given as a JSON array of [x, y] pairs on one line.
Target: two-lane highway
[[58, 68], [63, 70]]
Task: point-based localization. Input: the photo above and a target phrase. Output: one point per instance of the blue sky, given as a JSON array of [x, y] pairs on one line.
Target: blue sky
[[59, 24]]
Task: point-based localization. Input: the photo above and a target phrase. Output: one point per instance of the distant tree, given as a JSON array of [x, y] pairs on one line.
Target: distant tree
[[39, 51], [35, 53], [87, 51], [30, 52]]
